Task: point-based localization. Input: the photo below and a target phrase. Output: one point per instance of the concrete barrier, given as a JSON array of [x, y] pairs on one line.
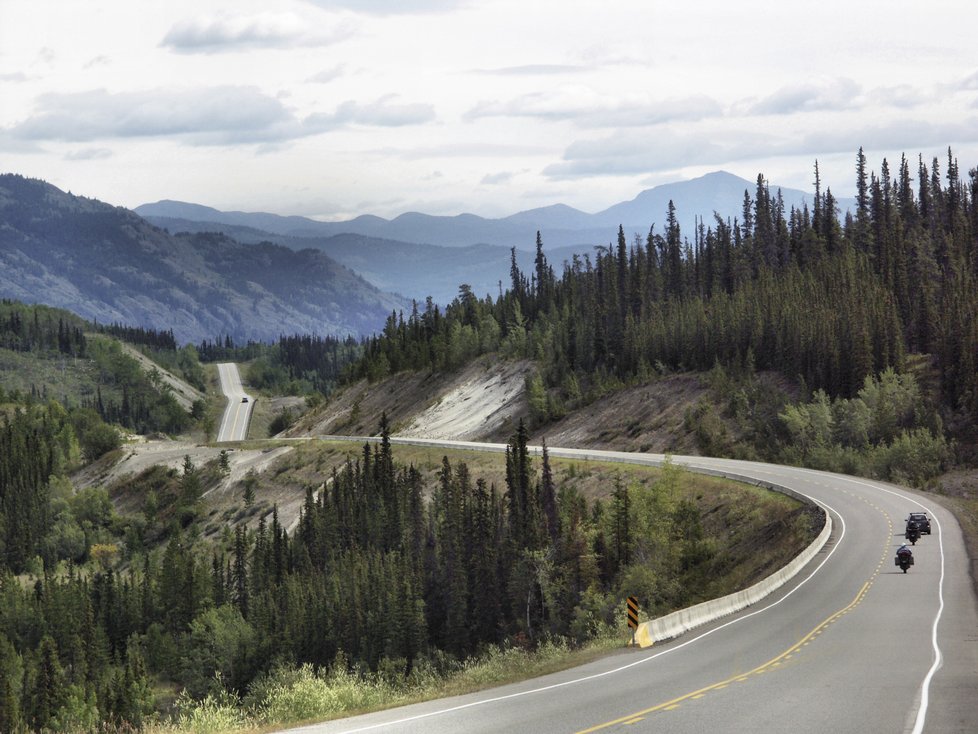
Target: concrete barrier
[[674, 624]]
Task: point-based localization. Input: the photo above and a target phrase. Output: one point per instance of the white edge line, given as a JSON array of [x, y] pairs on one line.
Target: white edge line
[[921, 718], [594, 676]]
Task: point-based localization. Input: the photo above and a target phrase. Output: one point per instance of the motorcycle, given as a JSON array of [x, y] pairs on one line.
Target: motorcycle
[[913, 534], [904, 560]]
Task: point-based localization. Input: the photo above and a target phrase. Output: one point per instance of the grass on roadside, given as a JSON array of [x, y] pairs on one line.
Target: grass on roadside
[[295, 696]]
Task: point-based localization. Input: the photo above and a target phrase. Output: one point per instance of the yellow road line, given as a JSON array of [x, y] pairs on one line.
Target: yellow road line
[[669, 705]]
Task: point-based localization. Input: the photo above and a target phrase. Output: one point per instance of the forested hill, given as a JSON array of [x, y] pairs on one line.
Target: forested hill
[[107, 264], [790, 290]]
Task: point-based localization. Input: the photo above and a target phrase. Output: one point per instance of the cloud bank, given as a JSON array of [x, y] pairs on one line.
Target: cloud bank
[[242, 33]]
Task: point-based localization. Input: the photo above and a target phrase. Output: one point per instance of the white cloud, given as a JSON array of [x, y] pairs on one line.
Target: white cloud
[[629, 153], [88, 154], [327, 75], [834, 94], [970, 82], [236, 33], [585, 108], [11, 144], [903, 96], [393, 7], [632, 152], [100, 60], [461, 150], [494, 179], [209, 116], [384, 112], [536, 70], [906, 135]]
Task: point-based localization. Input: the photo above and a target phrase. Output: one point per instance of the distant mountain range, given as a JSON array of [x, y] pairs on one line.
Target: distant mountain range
[[411, 270], [106, 263], [257, 276], [559, 225], [417, 255]]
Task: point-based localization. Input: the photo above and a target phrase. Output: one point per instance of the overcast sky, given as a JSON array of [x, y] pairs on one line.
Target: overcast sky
[[332, 109]]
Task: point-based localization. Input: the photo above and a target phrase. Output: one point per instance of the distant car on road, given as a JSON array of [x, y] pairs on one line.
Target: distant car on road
[[921, 520], [244, 400]]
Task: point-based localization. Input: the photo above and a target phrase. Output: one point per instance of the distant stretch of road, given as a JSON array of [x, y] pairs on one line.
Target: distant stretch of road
[[851, 644], [237, 414]]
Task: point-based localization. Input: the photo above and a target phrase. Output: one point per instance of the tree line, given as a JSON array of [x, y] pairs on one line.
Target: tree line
[[34, 329], [132, 398], [159, 339], [384, 572], [295, 365], [827, 301]]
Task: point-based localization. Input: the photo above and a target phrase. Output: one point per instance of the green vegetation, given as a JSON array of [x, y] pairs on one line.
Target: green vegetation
[[132, 398], [433, 574], [296, 365], [793, 292], [889, 430], [401, 582], [100, 390], [161, 347], [878, 432], [45, 354]]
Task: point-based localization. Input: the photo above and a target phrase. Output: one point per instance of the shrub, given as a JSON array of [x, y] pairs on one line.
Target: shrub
[[216, 713], [219, 641], [913, 457], [297, 695]]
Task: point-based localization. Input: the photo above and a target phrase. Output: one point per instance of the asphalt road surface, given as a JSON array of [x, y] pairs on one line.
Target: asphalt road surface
[[237, 414], [851, 644]]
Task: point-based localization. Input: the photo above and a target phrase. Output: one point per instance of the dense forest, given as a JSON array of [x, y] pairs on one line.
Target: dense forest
[[828, 303], [141, 335], [33, 329], [385, 574], [47, 431], [391, 576]]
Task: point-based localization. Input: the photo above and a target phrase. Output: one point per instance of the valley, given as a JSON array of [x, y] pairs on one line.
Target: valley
[[493, 475], [444, 366]]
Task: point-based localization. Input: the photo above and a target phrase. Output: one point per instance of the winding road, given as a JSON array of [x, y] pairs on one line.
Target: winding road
[[237, 414], [850, 644]]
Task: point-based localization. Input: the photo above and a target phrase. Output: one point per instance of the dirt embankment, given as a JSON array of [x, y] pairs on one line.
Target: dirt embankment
[[486, 401], [644, 418], [958, 491], [141, 454], [482, 402]]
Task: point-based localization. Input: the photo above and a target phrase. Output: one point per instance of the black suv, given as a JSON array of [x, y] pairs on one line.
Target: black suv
[[923, 522]]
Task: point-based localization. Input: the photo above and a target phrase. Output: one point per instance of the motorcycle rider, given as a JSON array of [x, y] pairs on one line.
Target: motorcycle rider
[[904, 557], [913, 532]]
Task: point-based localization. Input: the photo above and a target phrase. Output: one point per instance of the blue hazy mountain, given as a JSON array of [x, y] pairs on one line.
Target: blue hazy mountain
[[107, 264], [559, 225]]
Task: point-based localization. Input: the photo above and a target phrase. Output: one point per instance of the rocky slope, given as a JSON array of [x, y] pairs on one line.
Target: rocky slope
[[107, 264]]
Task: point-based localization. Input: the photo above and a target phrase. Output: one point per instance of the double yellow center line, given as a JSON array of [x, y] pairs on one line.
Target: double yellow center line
[[763, 668], [634, 718]]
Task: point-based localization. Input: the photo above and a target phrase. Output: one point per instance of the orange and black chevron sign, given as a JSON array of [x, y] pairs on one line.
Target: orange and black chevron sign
[[632, 612]]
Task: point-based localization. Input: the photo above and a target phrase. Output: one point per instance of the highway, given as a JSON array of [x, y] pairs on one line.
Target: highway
[[850, 644], [237, 414]]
